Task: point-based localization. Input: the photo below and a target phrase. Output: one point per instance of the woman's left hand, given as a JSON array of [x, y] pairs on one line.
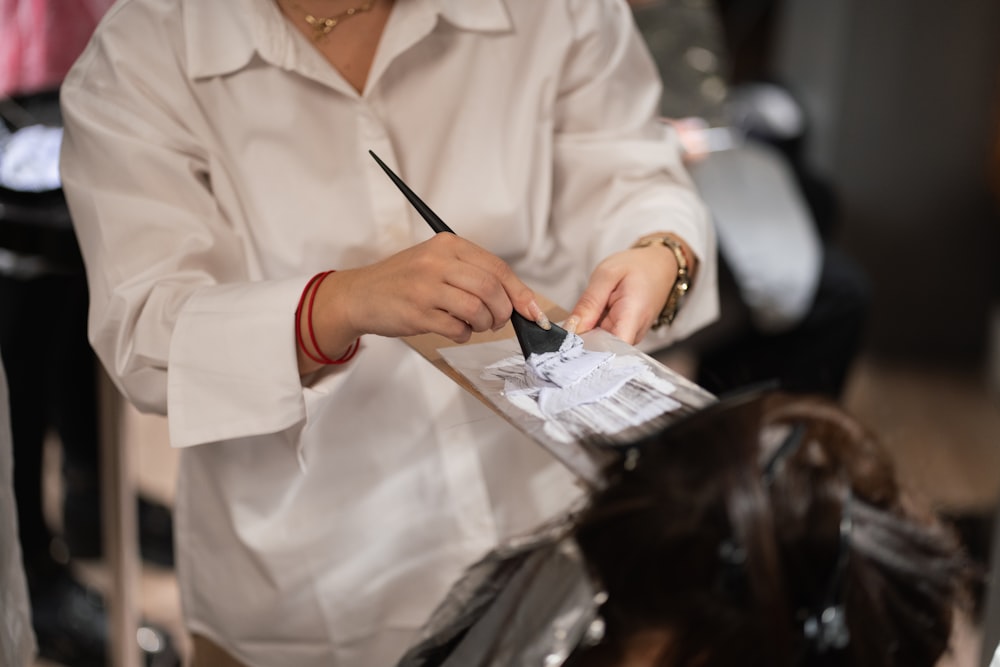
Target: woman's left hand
[[626, 293]]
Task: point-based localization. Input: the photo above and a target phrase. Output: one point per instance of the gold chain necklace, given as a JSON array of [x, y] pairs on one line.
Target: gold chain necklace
[[322, 25]]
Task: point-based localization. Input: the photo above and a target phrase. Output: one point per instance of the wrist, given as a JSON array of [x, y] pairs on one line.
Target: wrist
[[312, 337], [689, 256], [332, 313], [681, 280]]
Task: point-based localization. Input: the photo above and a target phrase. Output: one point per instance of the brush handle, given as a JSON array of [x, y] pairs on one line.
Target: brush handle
[[436, 223]]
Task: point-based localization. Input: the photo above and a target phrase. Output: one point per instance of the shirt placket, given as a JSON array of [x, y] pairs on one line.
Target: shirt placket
[[390, 210]]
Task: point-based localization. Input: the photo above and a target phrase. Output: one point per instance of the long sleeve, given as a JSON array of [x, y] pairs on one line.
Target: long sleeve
[[605, 124], [179, 315]]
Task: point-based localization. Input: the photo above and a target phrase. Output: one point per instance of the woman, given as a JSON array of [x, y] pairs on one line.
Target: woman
[[216, 165], [764, 530]]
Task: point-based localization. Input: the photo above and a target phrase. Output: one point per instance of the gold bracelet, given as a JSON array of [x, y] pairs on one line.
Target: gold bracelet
[[682, 283]]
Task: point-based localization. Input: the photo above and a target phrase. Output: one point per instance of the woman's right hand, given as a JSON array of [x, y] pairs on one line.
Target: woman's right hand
[[445, 285]]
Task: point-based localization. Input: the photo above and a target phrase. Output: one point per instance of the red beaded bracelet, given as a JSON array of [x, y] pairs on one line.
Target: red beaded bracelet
[[310, 293]]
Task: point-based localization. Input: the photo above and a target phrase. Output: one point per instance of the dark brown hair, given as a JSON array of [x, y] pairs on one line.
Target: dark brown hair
[[692, 540]]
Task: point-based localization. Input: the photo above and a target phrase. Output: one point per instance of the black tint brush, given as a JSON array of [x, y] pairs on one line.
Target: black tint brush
[[532, 338]]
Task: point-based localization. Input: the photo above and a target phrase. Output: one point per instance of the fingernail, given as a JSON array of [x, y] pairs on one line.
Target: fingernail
[[571, 324], [541, 319]]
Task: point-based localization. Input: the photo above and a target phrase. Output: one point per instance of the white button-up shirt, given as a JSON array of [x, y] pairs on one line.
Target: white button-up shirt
[[213, 161]]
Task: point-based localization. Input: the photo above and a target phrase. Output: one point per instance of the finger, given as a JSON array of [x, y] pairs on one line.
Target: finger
[[523, 300], [515, 294], [593, 303], [464, 304], [473, 270], [478, 297], [625, 322], [445, 324], [443, 309], [434, 276]]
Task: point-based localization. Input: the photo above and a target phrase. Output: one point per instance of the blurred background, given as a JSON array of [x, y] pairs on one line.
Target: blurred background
[[900, 147], [900, 100], [887, 115]]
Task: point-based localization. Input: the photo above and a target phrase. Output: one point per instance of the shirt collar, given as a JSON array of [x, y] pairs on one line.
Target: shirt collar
[[475, 15], [222, 37]]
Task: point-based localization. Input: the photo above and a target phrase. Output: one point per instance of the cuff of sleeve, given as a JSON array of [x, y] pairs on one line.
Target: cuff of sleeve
[[233, 370]]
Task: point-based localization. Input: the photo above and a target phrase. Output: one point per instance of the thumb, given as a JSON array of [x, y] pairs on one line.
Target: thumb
[[590, 308]]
